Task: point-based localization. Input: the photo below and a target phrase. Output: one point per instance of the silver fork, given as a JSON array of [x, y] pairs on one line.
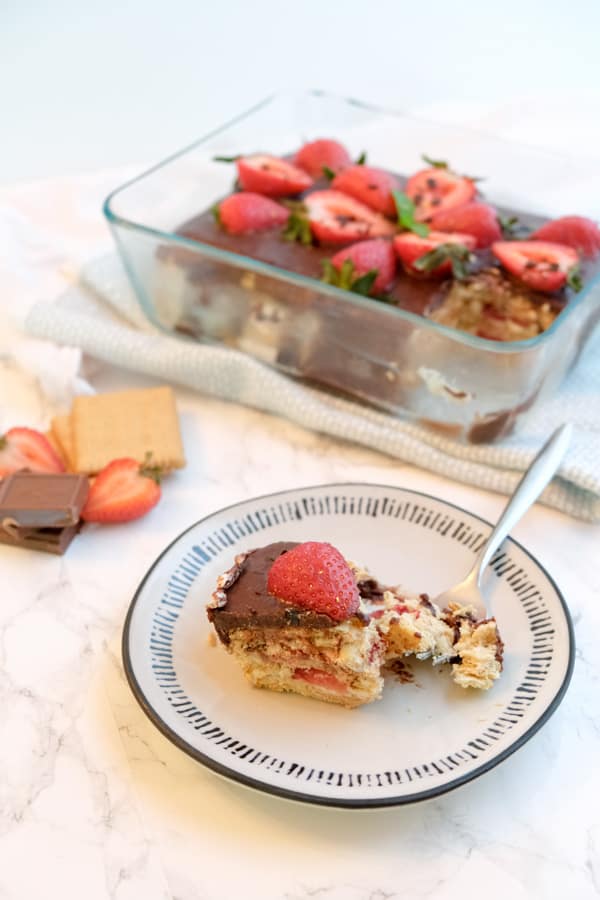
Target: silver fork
[[540, 472]]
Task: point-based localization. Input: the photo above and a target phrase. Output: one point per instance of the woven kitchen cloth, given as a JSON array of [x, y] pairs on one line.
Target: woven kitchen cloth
[[101, 316]]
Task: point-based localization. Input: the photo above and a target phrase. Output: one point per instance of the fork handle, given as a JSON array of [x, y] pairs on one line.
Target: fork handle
[[531, 485]]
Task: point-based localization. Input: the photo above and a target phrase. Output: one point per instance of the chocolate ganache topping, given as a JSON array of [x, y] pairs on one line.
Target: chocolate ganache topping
[[242, 599]]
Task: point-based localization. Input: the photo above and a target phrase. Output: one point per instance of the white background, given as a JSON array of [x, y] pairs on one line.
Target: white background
[[89, 85]]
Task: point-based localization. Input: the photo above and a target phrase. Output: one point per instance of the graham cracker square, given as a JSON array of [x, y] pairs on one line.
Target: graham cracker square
[[137, 424], [62, 439]]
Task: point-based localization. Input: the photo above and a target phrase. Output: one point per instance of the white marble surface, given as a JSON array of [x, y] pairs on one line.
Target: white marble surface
[[96, 803]]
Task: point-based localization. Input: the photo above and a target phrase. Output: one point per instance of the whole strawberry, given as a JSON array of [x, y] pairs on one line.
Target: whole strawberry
[[323, 155], [123, 490], [315, 576]]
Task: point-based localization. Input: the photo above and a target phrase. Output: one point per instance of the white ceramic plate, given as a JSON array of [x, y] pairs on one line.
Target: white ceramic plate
[[423, 738]]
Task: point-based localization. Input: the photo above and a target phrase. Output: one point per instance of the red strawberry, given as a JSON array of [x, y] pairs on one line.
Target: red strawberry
[[246, 212], [410, 247], [320, 678], [316, 156], [25, 448], [478, 219], [437, 189], [368, 256], [122, 491], [336, 218], [315, 576], [541, 265], [271, 176], [373, 187], [577, 232]]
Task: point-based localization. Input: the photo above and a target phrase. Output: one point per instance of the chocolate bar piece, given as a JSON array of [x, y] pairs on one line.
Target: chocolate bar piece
[[41, 511]]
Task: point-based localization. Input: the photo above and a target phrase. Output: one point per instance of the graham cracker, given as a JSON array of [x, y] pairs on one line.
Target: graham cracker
[[62, 439], [135, 424]]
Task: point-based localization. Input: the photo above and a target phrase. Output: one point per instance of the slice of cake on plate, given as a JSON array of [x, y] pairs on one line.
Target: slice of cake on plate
[[292, 615], [300, 618]]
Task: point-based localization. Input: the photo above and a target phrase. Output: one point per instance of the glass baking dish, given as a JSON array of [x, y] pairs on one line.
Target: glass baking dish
[[469, 387]]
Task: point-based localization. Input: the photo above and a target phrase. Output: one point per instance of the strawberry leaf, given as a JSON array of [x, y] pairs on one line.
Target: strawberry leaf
[[344, 277], [298, 226], [442, 164], [406, 214], [328, 173], [216, 213], [458, 255], [147, 470], [227, 159], [511, 227], [434, 163], [364, 284], [574, 279], [330, 273], [361, 160]]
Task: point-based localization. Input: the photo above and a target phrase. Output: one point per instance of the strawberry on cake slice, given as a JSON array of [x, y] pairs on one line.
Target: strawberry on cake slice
[[291, 614]]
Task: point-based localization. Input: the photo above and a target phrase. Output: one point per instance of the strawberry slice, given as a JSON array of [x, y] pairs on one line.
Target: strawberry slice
[[25, 448], [245, 213], [271, 176], [541, 265], [477, 219], [320, 678], [437, 189], [322, 157], [412, 249], [577, 232], [336, 218], [375, 258], [315, 576], [123, 490], [373, 187]]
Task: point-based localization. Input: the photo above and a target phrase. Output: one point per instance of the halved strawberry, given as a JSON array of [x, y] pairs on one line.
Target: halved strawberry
[[541, 265], [271, 176], [336, 218], [373, 187], [477, 219], [246, 212], [123, 490], [437, 189], [412, 248], [321, 157], [366, 257], [577, 232], [26, 448], [315, 576]]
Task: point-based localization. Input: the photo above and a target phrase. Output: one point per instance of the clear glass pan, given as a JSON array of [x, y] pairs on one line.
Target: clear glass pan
[[472, 388]]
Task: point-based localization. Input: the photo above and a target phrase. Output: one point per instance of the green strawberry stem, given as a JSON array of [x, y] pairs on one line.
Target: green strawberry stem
[[344, 277], [150, 471], [298, 225], [406, 214], [458, 254], [574, 280]]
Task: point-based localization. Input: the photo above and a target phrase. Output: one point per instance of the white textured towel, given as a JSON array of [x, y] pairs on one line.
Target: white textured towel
[[116, 331]]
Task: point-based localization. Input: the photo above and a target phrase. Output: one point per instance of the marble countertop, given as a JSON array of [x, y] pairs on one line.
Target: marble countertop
[[95, 803]]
